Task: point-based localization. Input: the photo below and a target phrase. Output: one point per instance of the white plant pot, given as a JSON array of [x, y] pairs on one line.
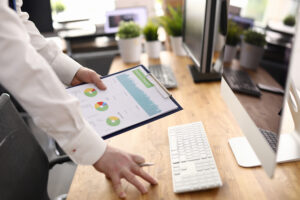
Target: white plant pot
[[176, 44], [130, 49], [153, 49], [220, 42], [250, 55], [229, 54]]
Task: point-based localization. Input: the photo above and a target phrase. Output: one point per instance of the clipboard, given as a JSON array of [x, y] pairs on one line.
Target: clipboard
[[150, 79]]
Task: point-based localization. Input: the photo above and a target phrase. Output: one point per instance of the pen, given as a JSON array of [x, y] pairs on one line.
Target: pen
[[146, 164]]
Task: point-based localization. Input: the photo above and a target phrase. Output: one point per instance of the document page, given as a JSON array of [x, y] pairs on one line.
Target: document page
[[131, 97]]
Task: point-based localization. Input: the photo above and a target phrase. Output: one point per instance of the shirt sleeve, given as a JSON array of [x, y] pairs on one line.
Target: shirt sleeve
[[31, 80], [62, 64]]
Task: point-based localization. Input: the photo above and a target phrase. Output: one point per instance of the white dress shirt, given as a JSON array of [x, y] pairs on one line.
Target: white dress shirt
[[33, 70]]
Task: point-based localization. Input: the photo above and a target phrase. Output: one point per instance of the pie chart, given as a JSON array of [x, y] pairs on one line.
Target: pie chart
[[113, 121], [101, 106], [90, 92]]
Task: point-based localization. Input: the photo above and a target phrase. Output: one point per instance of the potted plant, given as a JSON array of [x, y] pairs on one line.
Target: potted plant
[[153, 45], [129, 42], [252, 49], [172, 23], [232, 40], [289, 20], [57, 6]]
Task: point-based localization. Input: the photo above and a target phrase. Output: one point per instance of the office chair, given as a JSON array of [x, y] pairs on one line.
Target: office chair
[[98, 61], [24, 167]]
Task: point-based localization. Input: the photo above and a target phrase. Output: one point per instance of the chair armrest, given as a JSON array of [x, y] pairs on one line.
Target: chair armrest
[[59, 160]]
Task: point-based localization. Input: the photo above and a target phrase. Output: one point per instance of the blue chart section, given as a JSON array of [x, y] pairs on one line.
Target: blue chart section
[[141, 98]]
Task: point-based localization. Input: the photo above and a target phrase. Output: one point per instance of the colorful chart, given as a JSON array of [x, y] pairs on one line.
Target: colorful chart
[[139, 95], [113, 121], [101, 106], [90, 92]]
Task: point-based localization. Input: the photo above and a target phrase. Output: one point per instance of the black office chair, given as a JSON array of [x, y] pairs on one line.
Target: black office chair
[[24, 167], [98, 61]]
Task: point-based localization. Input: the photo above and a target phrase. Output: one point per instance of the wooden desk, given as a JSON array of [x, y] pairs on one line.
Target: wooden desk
[[201, 102]]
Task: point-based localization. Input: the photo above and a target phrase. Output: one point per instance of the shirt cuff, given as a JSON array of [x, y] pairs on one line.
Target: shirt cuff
[[65, 68], [86, 148]]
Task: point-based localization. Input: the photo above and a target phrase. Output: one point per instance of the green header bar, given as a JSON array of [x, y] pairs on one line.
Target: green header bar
[[142, 78]]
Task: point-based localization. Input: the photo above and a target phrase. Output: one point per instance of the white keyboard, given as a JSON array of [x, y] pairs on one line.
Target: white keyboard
[[193, 164]]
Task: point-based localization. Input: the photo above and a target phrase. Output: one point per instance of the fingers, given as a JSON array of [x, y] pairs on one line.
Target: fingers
[[138, 159], [88, 76], [140, 172], [97, 81], [116, 165], [130, 177], [116, 182]]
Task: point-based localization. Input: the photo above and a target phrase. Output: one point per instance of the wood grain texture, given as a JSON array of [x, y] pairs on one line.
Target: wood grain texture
[[201, 102]]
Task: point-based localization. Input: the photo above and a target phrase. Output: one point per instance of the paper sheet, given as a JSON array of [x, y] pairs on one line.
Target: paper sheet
[[131, 97]]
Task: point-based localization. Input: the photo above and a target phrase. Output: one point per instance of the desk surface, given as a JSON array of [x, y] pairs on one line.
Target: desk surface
[[201, 102]]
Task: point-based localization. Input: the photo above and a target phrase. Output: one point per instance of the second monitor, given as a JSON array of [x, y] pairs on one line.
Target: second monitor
[[203, 26]]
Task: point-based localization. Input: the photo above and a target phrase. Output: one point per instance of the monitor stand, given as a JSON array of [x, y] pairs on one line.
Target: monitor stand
[[288, 150], [204, 77]]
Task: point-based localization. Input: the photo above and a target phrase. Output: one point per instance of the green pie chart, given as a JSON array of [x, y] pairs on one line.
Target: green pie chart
[[113, 121], [101, 106], [90, 92]]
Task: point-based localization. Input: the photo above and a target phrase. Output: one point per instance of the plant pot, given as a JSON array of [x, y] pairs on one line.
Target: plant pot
[[250, 55], [229, 54], [153, 49], [176, 45], [130, 49], [220, 42]]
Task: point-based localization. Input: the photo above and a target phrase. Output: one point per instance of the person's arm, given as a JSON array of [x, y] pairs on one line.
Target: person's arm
[[64, 66], [34, 84]]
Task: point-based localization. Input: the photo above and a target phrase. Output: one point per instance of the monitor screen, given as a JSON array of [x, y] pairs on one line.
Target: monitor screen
[[193, 29], [260, 114], [113, 18]]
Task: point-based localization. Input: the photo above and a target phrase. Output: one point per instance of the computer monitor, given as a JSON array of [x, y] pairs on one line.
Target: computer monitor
[[202, 22], [113, 18], [277, 113], [40, 13]]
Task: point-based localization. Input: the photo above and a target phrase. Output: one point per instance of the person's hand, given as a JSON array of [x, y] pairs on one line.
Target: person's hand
[[116, 164], [85, 75]]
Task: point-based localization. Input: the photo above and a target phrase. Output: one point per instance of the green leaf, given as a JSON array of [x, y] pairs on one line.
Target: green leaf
[[233, 34], [128, 30], [172, 22], [57, 6], [150, 31], [289, 20], [254, 38]]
